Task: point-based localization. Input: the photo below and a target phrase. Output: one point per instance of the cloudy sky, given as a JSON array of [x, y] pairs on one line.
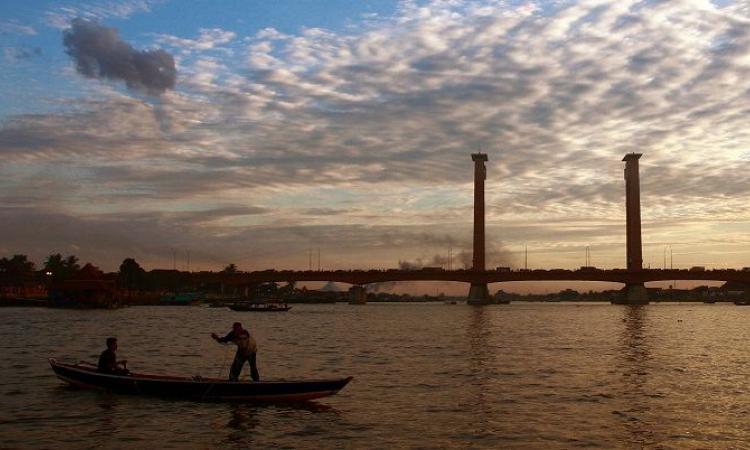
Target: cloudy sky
[[250, 132]]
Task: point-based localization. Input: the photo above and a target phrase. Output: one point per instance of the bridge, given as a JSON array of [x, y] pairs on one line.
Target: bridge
[[633, 277], [364, 277]]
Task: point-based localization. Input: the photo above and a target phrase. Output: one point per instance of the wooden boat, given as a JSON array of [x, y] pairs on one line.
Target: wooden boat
[[197, 388], [260, 307], [180, 299]]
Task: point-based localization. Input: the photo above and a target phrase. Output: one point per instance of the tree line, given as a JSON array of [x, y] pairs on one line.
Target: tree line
[[18, 271]]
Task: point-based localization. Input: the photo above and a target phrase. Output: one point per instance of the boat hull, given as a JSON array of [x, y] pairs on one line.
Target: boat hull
[[197, 388], [259, 308]]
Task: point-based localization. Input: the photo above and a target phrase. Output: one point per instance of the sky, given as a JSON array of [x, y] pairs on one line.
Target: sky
[[261, 133]]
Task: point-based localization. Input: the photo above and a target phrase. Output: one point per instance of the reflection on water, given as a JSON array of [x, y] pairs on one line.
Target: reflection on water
[[425, 375], [105, 422], [242, 419], [635, 356], [481, 364]]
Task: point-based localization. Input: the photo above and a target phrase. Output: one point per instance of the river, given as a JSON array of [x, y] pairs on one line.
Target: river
[[525, 375]]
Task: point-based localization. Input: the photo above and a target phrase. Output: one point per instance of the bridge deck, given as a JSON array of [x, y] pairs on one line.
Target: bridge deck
[[469, 276]]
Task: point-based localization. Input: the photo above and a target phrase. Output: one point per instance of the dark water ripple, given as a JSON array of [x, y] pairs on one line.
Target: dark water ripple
[[426, 376]]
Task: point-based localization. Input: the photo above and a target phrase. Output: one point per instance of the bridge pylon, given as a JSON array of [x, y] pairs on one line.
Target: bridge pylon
[[479, 294], [357, 295], [634, 293]]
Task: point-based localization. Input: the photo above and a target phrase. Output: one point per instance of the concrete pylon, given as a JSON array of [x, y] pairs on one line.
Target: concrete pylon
[[479, 294], [633, 294], [357, 295]]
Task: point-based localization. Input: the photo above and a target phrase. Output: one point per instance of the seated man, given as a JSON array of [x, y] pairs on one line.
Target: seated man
[[246, 350], [108, 362]]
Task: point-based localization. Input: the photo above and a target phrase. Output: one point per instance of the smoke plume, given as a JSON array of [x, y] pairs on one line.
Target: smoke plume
[[100, 53]]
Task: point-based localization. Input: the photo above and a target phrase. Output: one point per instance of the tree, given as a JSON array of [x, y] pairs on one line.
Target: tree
[[54, 263], [288, 289], [71, 263], [266, 289], [132, 275], [89, 272], [16, 270], [232, 268], [61, 269]]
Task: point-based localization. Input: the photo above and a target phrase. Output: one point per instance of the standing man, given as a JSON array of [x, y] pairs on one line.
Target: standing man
[[246, 350]]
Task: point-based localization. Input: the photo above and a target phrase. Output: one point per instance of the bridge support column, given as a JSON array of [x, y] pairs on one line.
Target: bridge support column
[[633, 212], [633, 294], [479, 295], [357, 295]]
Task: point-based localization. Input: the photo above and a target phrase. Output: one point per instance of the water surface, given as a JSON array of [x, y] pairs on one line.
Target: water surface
[[425, 376]]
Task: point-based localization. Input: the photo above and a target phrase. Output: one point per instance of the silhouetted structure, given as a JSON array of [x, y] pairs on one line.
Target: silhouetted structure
[[148, 286], [478, 292], [633, 293], [357, 295], [363, 277]]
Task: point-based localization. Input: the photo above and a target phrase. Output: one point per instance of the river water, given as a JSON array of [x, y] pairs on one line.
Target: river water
[[523, 375]]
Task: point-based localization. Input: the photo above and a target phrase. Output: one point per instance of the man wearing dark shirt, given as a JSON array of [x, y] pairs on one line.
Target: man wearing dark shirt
[[108, 360], [246, 350]]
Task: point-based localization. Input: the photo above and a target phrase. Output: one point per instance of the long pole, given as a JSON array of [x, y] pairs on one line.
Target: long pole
[[526, 257], [671, 265]]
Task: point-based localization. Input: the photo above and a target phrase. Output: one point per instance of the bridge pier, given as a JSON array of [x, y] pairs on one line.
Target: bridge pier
[[633, 294], [357, 295], [479, 294]]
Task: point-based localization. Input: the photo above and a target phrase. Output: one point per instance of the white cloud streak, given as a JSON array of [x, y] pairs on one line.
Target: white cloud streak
[[60, 16], [12, 27]]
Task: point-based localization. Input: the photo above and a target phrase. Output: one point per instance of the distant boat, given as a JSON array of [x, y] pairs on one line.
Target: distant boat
[[181, 299], [260, 307], [224, 302], [197, 388]]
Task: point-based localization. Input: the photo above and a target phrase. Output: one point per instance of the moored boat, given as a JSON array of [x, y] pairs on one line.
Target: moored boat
[[197, 388], [181, 299], [260, 307]]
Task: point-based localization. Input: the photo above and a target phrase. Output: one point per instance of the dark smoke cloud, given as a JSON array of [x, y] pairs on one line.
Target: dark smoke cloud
[[99, 53], [437, 261], [495, 255]]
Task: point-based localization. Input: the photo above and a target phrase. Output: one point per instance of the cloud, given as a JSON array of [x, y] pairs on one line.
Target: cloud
[[99, 53], [208, 39], [16, 54], [60, 16], [372, 129], [12, 27]]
